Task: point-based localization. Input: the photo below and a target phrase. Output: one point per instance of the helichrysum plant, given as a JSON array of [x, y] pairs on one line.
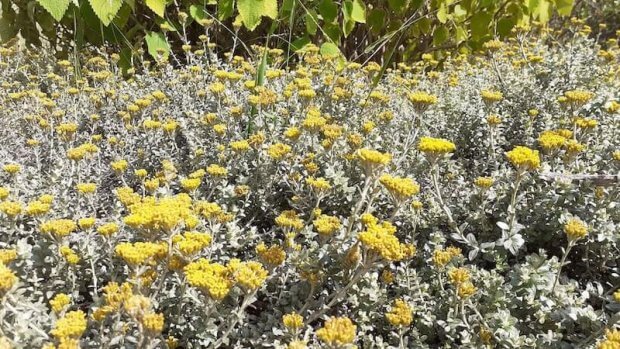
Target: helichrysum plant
[[192, 206]]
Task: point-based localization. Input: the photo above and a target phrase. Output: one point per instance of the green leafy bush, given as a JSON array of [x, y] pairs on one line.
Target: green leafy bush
[[392, 30]]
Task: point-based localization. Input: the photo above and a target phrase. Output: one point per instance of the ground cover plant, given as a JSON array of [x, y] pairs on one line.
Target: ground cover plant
[[470, 206]]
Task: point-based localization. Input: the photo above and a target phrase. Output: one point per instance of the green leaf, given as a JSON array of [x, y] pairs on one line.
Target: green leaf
[[442, 13], [440, 35], [461, 34], [300, 43], [251, 11], [312, 19], [332, 31], [424, 24], [328, 10], [564, 7], [56, 8], [397, 6], [504, 26], [225, 9], [347, 27], [355, 10], [157, 6], [329, 49], [542, 11], [197, 12], [106, 9], [480, 24], [376, 19], [156, 41]]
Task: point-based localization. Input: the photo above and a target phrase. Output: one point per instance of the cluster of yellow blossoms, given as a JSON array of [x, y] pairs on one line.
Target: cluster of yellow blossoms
[[217, 280], [379, 238], [337, 331]]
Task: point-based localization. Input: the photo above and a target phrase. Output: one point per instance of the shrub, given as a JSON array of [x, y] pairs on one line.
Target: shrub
[[194, 207]]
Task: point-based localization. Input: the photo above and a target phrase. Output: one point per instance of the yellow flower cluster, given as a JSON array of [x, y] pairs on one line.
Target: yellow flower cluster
[[38, 208], [153, 322], [401, 314], [70, 255], [400, 188], [337, 331], [278, 151], [435, 146], [7, 278], [250, 275], [490, 96], [217, 280], [289, 220], [380, 239], [273, 255], [319, 184], [372, 159], [141, 252], [484, 182], [190, 184], [70, 326], [58, 227], [191, 242], [494, 120], [212, 278], [422, 98], [578, 97], [293, 321], [161, 215], [442, 257], [216, 170], [524, 158], [7, 255], [106, 229], [612, 340], [11, 208], [585, 123], [326, 225], [11, 168], [575, 229], [550, 140], [314, 121], [460, 278], [86, 188], [60, 302]]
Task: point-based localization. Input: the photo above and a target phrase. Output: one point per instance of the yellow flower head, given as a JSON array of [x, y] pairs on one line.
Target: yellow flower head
[[524, 158], [58, 227], [212, 278], [380, 239], [373, 159], [290, 220], [575, 229], [484, 182], [278, 151], [435, 146], [400, 188], [318, 184], [59, 302], [273, 255], [337, 331], [7, 278], [293, 321], [550, 140], [401, 314], [491, 96], [326, 225], [72, 325]]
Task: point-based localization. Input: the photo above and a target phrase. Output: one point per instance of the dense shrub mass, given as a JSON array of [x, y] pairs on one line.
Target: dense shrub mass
[[473, 206]]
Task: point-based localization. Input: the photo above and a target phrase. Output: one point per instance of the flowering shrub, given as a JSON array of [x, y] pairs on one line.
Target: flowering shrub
[[473, 206]]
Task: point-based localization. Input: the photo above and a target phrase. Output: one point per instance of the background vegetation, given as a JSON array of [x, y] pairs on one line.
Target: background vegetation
[[380, 30]]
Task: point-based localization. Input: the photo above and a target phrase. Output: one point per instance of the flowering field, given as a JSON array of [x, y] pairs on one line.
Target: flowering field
[[470, 206]]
